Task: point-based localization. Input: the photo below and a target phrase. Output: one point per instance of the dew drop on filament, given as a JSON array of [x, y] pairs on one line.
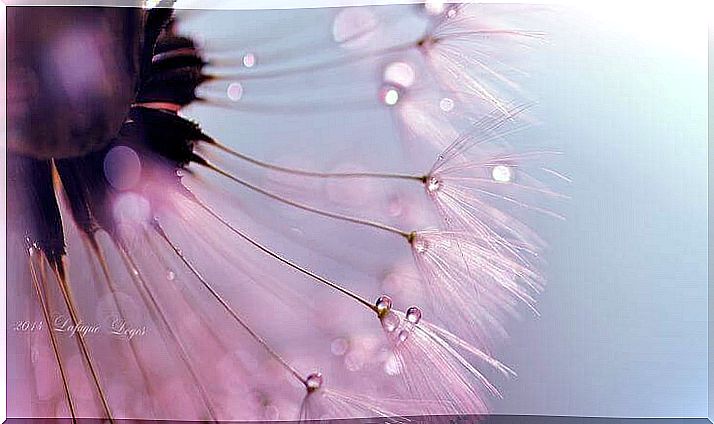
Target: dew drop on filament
[[313, 381], [420, 245], [433, 185], [403, 336], [414, 314], [389, 95], [502, 174], [384, 305]]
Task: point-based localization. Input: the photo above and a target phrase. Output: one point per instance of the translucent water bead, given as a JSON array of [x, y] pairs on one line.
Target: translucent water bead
[[384, 305], [414, 314], [313, 381]]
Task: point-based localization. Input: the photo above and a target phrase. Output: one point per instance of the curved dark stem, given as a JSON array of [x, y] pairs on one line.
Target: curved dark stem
[[322, 280], [347, 218], [159, 229], [302, 172]]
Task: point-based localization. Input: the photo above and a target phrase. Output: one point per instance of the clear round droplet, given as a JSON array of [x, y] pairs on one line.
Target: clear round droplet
[[249, 60], [384, 304], [389, 95], [414, 314], [502, 174], [234, 91], [420, 245], [313, 381], [446, 104], [403, 336], [170, 275], [399, 73], [433, 185]]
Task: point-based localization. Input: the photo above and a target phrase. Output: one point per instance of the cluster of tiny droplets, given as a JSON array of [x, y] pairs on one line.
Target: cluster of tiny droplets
[[391, 322], [313, 382]]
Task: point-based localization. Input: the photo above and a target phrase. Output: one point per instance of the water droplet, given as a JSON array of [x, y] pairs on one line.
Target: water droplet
[[414, 314], [179, 173], [313, 381], [399, 73], [451, 13], [403, 336], [420, 245], [249, 60], [433, 184], [170, 275], [234, 91], [389, 95], [446, 104], [502, 174], [384, 304], [390, 322]]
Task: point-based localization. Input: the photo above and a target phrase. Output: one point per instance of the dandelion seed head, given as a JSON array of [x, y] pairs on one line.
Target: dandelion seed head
[[399, 73], [502, 173]]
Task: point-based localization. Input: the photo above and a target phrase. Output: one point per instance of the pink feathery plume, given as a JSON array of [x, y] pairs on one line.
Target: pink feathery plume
[[472, 55], [471, 287], [432, 364], [481, 185]]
